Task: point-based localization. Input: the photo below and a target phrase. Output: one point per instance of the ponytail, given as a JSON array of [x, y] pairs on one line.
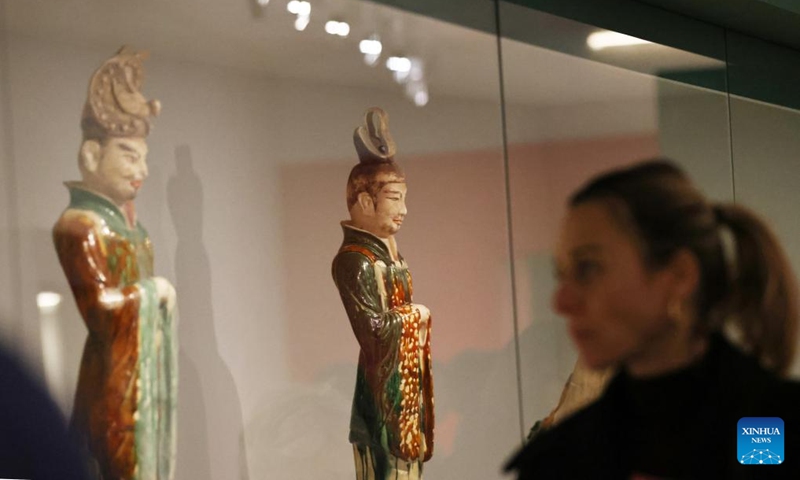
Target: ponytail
[[762, 300]]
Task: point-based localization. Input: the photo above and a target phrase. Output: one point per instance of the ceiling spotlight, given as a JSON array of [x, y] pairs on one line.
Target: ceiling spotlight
[[262, 3], [341, 29], [302, 9], [370, 46], [399, 64], [301, 22], [400, 68], [299, 7], [607, 39]]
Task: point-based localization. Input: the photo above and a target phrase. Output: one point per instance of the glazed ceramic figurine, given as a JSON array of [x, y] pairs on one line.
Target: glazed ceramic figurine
[[125, 402], [391, 427]]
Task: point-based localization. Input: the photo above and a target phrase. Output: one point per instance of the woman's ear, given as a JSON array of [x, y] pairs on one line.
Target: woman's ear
[[90, 156], [685, 271]]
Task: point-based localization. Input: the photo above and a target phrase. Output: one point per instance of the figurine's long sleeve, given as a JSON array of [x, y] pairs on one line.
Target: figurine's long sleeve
[[104, 301], [373, 323]]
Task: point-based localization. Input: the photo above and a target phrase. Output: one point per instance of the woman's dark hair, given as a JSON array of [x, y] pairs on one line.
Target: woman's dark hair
[[752, 286]]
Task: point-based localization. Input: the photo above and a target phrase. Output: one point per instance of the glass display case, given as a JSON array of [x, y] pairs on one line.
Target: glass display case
[[248, 163], [574, 111]]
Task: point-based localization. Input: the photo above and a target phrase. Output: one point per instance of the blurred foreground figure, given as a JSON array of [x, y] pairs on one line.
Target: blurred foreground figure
[[126, 396], [33, 435], [649, 274], [391, 426]]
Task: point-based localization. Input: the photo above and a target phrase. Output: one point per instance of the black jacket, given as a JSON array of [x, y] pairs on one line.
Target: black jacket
[[682, 425]]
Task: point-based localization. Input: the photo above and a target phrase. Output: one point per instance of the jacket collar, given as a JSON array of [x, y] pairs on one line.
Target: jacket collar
[[83, 198], [357, 236]]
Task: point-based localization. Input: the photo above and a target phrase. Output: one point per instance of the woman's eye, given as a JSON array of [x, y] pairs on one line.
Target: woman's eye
[[586, 269]]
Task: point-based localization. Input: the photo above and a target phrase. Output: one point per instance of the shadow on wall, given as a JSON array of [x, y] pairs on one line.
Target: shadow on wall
[[302, 431], [477, 418], [209, 410]]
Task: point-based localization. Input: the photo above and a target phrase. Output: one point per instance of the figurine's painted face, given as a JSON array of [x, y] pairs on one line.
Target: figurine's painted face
[[383, 216], [616, 308], [390, 208], [117, 168]]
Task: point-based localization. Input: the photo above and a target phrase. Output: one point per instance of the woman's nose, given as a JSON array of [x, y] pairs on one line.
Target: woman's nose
[[566, 299]]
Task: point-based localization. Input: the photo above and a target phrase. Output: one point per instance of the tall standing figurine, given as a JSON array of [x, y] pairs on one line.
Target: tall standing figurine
[[125, 402], [391, 427]]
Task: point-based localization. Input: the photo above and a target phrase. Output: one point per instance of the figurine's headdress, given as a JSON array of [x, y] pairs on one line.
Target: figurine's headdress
[[376, 151], [114, 106], [373, 141]]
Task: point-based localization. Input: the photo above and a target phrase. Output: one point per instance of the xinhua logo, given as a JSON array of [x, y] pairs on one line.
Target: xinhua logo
[[760, 441]]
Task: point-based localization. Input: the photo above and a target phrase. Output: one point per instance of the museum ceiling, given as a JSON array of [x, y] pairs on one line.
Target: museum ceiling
[[457, 61]]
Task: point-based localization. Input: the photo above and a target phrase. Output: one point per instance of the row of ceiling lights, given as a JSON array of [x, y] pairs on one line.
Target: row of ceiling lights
[[406, 71]]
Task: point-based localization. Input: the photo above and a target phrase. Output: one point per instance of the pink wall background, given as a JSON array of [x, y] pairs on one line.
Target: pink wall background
[[543, 176]]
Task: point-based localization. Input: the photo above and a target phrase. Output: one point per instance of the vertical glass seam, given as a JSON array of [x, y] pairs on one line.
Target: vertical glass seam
[[507, 180], [9, 171], [730, 113]]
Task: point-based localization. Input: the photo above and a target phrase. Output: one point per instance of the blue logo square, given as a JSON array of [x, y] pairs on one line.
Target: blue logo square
[[760, 441]]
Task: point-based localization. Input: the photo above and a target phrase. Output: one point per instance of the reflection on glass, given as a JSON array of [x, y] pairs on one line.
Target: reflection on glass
[[575, 107], [608, 39], [550, 32], [48, 301], [765, 164], [52, 340]]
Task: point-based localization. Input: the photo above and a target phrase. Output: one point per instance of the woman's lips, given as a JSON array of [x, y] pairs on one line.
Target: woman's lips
[[578, 333], [137, 184]]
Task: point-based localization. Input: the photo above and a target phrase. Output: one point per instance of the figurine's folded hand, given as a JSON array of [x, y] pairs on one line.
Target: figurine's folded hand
[[424, 318], [424, 313], [166, 292]]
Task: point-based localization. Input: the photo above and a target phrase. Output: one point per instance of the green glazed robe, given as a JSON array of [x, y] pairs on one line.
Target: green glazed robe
[[125, 403], [393, 401]]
